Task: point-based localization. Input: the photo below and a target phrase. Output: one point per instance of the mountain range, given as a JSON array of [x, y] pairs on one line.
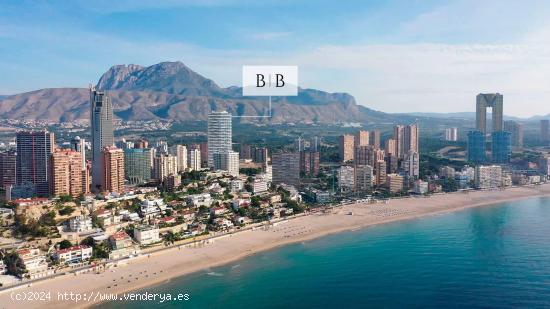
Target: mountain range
[[172, 91]]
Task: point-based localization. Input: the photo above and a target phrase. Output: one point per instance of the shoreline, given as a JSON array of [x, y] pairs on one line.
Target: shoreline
[[159, 267]]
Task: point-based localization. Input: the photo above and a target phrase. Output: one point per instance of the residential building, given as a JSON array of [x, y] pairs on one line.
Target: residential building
[[146, 234], [8, 165], [361, 138], [80, 224], [309, 163], [164, 165], [101, 120], [476, 147], [363, 178], [227, 161], [198, 200], [410, 139], [346, 178], [399, 137], [451, 134], [495, 102], [194, 160], [138, 164], [112, 170], [347, 147], [32, 262], [516, 129], [374, 138], [260, 155], [32, 164], [394, 183], [259, 185], [545, 131], [390, 147], [380, 172], [219, 134], [286, 168], [501, 147], [66, 177], [411, 164], [488, 176], [75, 254], [180, 151]]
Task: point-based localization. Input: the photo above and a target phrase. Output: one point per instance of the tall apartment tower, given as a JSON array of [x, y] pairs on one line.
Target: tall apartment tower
[[347, 145], [545, 131], [374, 138], [495, 102], [219, 134], [112, 170], [451, 134], [390, 147], [66, 175], [180, 151], [286, 168], [101, 121], [33, 153], [411, 139], [516, 129], [362, 138], [399, 137], [164, 165], [227, 161], [8, 163], [194, 159], [138, 164]]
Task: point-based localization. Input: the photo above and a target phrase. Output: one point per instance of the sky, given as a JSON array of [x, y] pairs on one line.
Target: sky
[[392, 56]]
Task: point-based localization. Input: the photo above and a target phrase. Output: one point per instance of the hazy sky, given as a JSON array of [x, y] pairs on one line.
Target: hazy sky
[[394, 56]]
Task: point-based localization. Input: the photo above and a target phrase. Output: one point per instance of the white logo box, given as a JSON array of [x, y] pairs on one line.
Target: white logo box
[[270, 80]]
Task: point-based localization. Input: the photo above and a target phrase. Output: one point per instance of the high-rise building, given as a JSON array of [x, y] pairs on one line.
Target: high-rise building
[[79, 144], [219, 134], [260, 155], [374, 138], [399, 137], [476, 147], [66, 175], [138, 164], [8, 163], [362, 138], [516, 129], [286, 168], [364, 155], [544, 165], [363, 178], [141, 144], [347, 146], [451, 134], [300, 144], [112, 170], [394, 183], [380, 172], [164, 165], [33, 155], [180, 151], [501, 146], [392, 164], [488, 176], [314, 144], [101, 120], [245, 152], [346, 178], [411, 139], [227, 161], [411, 164], [194, 159], [390, 147], [545, 131], [309, 163], [483, 101]]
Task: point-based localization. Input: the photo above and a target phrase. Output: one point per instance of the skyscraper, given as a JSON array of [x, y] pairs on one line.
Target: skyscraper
[[451, 134], [219, 134], [194, 159], [286, 168], [501, 146], [476, 147], [516, 129], [362, 138], [545, 131], [363, 178], [411, 139], [411, 164], [347, 145], [164, 165], [483, 101], [66, 175], [399, 137], [374, 138], [227, 161], [8, 163], [112, 170], [33, 153], [390, 147], [101, 120], [180, 151], [137, 165]]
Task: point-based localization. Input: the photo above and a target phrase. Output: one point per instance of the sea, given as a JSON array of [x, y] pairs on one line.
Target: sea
[[488, 257]]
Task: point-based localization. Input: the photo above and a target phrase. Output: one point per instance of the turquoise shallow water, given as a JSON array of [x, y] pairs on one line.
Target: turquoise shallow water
[[490, 257]]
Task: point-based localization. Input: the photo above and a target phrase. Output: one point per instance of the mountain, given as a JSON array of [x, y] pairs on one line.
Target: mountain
[[172, 91]]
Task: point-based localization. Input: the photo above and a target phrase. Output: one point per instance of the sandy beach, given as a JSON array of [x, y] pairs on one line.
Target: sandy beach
[[161, 266]]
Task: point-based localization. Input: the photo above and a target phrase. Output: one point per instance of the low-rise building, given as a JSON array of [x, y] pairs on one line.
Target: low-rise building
[[33, 263], [394, 183], [122, 246], [80, 224], [197, 200], [146, 234], [72, 255]]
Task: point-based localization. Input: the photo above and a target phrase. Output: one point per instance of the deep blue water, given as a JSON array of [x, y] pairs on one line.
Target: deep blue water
[[490, 257]]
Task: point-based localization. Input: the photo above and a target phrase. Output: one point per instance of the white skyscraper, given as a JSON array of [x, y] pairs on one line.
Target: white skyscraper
[[101, 121], [194, 159], [451, 134], [180, 151], [219, 134]]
